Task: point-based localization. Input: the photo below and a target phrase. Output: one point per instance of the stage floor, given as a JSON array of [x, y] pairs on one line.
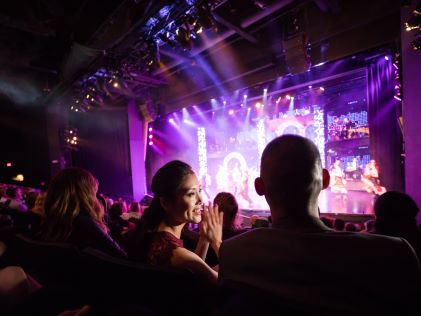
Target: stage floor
[[353, 202]]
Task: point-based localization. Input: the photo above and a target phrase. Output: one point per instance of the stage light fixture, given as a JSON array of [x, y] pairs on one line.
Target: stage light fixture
[[288, 97], [171, 120], [386, 57], [150, 136], [183, 37], [231, 112], [413, 22], [258, 105], [150, 129], [322, 89], [150, 143], [205, 17]]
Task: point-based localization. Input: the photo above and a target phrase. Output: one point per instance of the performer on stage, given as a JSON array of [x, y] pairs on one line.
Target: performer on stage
[[371, 178], [244, 190], [337, 178], [347, 129]]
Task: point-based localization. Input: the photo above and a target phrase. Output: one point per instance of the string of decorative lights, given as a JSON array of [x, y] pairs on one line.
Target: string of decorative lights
[[201, 150]]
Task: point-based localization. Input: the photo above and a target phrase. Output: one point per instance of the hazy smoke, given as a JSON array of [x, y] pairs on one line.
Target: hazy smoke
[[20, 90]]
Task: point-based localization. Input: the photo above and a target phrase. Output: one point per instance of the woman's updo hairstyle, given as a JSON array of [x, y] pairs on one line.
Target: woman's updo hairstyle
[[165, 184]]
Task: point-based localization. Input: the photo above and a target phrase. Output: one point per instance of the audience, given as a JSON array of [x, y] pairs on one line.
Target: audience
[[304, 264], [177, 201], [339, 224], [117, 225], [133, 213], [14, 199], [74, 215], [396, 214]]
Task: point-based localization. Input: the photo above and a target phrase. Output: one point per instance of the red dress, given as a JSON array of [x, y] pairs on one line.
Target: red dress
[[161, 248]]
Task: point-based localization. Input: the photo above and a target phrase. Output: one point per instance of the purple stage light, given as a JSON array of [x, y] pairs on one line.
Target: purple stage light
[[171, 120], [188, 122], [397, 98], [150, 136], [150, 129], [231, 112], [386, 57], [150, 143], [245, 96]]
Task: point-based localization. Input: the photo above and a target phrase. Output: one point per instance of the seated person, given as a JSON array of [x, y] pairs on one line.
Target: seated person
[[133, 212], [396, 214], [14, 199], [177, 201], [74, 215], [228, 204], [116, 224], [308, 266]]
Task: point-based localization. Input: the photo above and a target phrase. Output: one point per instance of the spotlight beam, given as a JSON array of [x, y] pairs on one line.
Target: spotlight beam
[[177, 57]]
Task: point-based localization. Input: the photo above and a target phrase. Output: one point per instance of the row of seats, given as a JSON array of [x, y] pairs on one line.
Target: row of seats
[[75, 278]]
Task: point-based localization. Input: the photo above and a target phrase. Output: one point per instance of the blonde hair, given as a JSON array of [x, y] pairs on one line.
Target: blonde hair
[[71, 192]]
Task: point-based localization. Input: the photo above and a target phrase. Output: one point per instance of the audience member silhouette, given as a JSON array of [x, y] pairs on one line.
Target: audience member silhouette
[[339, 224], [116, 224], [308, 266], [74, 215], [396, 214], [177, 201], [228, 205], [14, 199]]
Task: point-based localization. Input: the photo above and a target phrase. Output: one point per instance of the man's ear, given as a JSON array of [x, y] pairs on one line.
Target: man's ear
[[326, 178], [259, 186]]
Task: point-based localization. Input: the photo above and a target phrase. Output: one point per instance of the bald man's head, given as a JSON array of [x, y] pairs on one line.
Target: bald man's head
[[290, 172]]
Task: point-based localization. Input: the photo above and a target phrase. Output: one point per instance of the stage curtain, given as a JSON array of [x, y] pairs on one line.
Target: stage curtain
[[104, 150], [385, 133]]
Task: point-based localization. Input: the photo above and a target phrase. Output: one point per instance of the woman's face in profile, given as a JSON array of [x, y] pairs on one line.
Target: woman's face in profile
[[187, 206]]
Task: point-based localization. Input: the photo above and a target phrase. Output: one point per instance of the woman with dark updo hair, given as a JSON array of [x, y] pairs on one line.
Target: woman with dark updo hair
[[74, 215], [177, 201], [228, 204]]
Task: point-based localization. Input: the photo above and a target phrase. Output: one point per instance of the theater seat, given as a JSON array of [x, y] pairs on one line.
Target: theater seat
[[163, 290], [48, 263]]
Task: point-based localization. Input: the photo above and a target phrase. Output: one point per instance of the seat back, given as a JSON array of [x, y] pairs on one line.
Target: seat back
[[162, 289], [50, 264]]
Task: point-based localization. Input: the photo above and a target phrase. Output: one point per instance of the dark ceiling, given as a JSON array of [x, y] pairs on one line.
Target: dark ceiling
[[49, 48]]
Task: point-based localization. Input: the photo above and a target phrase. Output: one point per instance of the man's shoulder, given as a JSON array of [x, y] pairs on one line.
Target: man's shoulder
[[248, 237], [275, 235]]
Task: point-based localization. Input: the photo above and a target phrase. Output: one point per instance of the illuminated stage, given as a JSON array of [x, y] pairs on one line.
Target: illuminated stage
[[224, 139]]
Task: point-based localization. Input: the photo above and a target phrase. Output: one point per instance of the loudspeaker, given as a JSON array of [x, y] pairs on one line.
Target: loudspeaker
[[295, 52]]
